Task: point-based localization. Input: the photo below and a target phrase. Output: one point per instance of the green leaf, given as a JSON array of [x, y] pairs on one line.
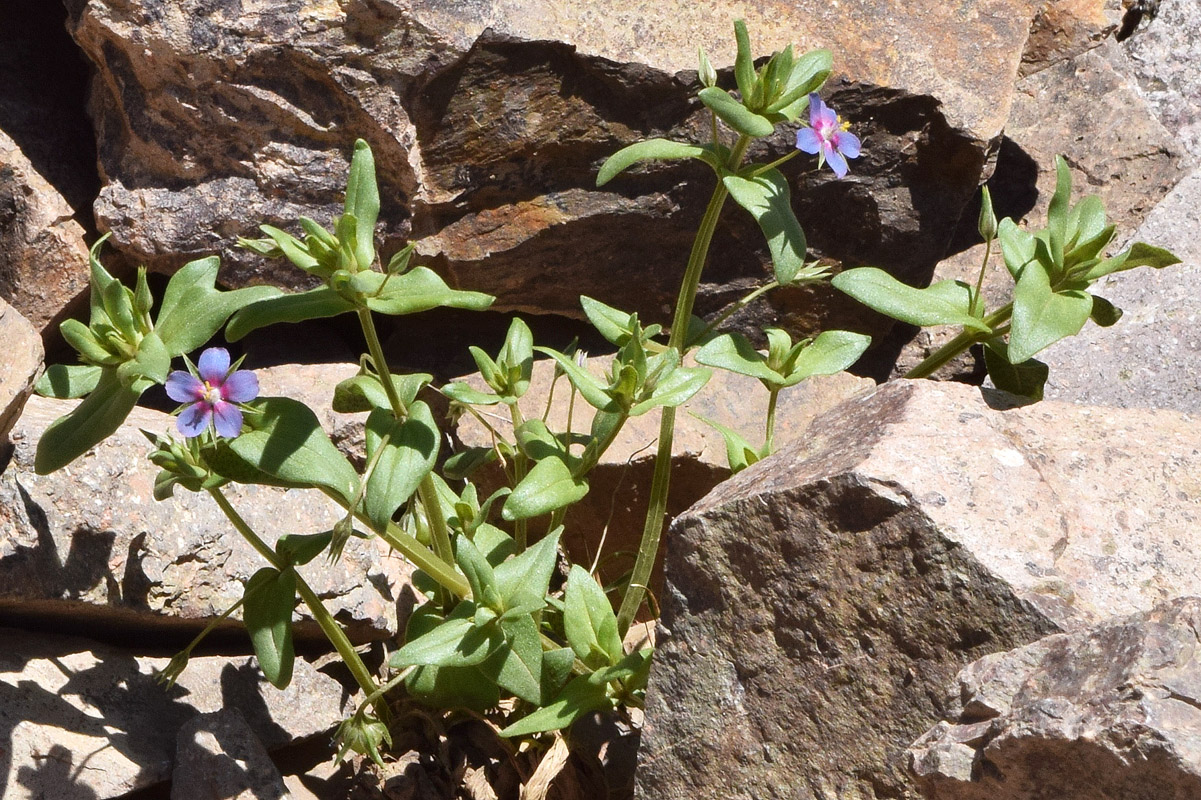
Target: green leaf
[[740, 454], [516, 359], [468, 395], [650, 150], [420, 289], [556, 670], [410, 448], [528, 574], [194, 310], [100, 279], [152, 361], [1138, 254], [830, 353], [295, 251], [68, 382], [479, 574], [285, 441], [1057, 211], [735, 114], [269, 598], [580, 697], [1042, 317], [457, 642], [943, 303], [314, 304], [766, 197], [1104, 313], [548, 486], [1018, 247], [744, 62], [92, 421], [517, 665], [362, 202], [465, 462], [676, 389], [1085, 220], [807, 75], [301, 548], [447, 687], [735, 353], [1025, 379], [366, 392], [589, 621], [87, 344], [589, 387]]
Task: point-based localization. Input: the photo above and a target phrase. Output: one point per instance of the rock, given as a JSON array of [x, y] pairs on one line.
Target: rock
[[20, 367], [1066, 28], [489, 121], [819, 602], [620, 483], [313, 385], [1090, 113], [1109, 711], [1148, 358], [218, 756], [85, 720], [89, 543], [43, 258], [1162, 56]]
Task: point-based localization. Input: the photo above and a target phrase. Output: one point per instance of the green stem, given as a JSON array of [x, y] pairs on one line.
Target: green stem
[[521, 465], [760, 170], [769, 439], [962, 342], [648, 549], [977, 301], [736, 307], [333, 631]]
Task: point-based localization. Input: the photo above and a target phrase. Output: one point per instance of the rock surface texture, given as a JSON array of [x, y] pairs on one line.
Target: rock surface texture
[[818, 603], [1113, 711], [89, 542], [217, 755], [489, 121], [19, 368], [84, 720]]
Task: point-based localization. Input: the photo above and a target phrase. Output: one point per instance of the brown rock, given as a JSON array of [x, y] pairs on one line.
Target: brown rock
[[20, 367], [218, 756], [90, 543], [43, 258], [489, 120], [818, 602], [1066, 28], [1110, 711], [86, 720], [613, 511]]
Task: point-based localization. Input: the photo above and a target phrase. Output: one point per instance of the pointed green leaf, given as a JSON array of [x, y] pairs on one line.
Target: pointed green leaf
[[1025, 379], [735, 353], [194, 309], [766, 197], [548, 486], [269, 598], [92, 421], [1017, 246], [1057, 211], [943, 303], [314, 304], [420, 289], [1138, 254], [457, 642], [650, 150], [589, 621], [735, 114], [529, 573], [467, 395], [517, 665], [410, 448], [301, 548], [295, 251], [362, 202], [740, 454], [676, 389], [479, 574], [366, 392], [1104, 313], [1042, 317], [580, 697], [68, 382], [830, 353], [589, 387]]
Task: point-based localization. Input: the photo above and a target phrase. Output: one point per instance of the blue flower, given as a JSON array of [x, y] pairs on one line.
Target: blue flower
[[212, 396], [827, 137]]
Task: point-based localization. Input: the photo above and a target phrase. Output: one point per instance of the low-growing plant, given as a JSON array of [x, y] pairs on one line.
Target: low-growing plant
[[495, 624]]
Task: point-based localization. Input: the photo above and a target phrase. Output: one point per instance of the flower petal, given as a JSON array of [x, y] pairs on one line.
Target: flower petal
[[815, 109], [194, 419], [808, 141], [183, 387], [227, 418], [240, 387], [836, 162], [847, 144], [212, 365]]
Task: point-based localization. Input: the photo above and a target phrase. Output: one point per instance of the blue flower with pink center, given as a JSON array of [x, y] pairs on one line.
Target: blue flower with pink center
[[211, 396], [827, 137]]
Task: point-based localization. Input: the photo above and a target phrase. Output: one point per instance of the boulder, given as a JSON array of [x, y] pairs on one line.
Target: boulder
[[85, 720], [489, 120], [89, 545], [1066, 28], [20, 367], [1149, 358], [218, 756], [1110, 711], [612, 513], [43, 258], [818, 602]]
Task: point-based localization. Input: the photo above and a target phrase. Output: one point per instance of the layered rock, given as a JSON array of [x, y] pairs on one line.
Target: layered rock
[[89, 543], [489, 121], [819, 602], [20, 367], [1110, 711], [81, 719]]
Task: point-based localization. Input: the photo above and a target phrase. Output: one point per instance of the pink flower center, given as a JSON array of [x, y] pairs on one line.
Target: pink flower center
[[211, 394]]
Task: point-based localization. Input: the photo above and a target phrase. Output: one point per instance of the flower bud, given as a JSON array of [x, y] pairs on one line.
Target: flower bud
[[706, 73]]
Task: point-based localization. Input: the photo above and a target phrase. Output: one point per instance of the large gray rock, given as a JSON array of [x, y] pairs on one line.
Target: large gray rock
[[1149, 359], [43, 258], [819, 602], [90, 543], [218, 756], [489, 120], [1109, 712], [85, 721], [20, 367]]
